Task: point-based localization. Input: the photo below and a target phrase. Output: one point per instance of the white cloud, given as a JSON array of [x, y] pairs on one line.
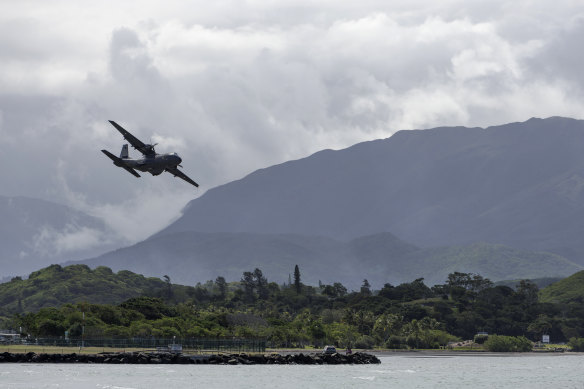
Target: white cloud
[[49, 242], [238, 86], [142, 215]]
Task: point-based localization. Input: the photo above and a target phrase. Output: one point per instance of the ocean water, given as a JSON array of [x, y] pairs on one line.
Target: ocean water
[[396, 371]]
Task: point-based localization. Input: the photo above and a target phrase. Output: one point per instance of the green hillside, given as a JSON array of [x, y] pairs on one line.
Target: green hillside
[[568, 290], [56, 285], [493, 261]]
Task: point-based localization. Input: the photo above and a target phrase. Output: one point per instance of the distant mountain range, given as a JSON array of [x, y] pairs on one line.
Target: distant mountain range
[[35, 233], [190, 257], [519, 184]]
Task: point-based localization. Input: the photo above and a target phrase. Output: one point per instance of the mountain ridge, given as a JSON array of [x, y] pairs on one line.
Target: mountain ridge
[[190, 257], [519, 184]]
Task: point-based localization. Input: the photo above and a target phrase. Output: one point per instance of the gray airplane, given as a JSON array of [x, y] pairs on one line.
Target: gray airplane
[[152, 162]]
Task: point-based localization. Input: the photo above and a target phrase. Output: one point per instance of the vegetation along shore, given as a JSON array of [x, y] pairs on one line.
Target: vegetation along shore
[[69, 305]]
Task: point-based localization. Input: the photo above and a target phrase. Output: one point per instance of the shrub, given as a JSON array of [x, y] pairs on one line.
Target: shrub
[[365, 342], [481, 339], [395, 341], [438, 338], [576, 344], [50, 327], [499, 343]]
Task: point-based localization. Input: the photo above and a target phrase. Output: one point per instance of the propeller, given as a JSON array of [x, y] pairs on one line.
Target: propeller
[[150, 146]]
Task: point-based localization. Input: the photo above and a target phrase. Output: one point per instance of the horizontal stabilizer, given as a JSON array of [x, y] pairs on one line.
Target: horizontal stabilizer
[[119, 162]]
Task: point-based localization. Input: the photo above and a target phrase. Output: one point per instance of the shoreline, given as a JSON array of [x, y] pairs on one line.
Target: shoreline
[[281, 357], [467, 353], [439, 353]]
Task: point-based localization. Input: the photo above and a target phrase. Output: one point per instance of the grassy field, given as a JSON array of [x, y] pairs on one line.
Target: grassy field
[[21, 348]]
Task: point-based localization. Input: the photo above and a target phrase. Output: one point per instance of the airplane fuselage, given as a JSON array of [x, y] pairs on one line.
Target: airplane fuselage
[[155, 164]]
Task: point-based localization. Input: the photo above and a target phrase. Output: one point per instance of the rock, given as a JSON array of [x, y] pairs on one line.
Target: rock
[[167, 358]]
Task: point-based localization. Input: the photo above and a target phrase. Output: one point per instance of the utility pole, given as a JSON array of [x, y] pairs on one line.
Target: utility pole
[[83, 331]]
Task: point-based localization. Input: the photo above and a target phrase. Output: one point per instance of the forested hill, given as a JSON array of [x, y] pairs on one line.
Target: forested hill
[[56, 285], [409, 315], [519, 184], [568, 290]]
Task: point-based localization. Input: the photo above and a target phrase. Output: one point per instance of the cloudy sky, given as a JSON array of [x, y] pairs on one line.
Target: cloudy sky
[[234, 86]]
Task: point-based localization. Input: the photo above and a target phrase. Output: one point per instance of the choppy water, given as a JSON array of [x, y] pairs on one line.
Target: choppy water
[[396, 371]]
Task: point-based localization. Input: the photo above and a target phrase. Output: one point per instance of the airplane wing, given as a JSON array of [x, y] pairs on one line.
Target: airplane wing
[[135, 142], [120, 163], [177, 173]]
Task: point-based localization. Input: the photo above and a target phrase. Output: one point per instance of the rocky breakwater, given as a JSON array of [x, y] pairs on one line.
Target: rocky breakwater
[[213, 359], [293, 359]]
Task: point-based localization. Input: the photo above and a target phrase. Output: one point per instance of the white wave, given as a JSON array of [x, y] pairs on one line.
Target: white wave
[[369, 378]]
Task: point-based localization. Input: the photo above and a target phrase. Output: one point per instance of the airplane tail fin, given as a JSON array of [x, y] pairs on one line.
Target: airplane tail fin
[[124, 152]]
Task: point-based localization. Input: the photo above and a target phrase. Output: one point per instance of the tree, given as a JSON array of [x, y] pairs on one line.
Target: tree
[[317, 333], [221, 287], [469, 281], [340, 289], [362, 319], [261, 284], [297, 284], [577, 344], [413, 331], [528, 291], [366, 288], [50, 327], [387, 324], [388, 291], [329, 290], [465, 286], [412, 291], [249, 285], [168, 286], [540, 326]]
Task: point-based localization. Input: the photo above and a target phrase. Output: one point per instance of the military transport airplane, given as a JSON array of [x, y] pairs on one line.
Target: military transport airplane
[[152, 162]]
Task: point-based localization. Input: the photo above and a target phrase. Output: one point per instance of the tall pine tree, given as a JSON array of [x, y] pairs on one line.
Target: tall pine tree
[[297, 284]]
